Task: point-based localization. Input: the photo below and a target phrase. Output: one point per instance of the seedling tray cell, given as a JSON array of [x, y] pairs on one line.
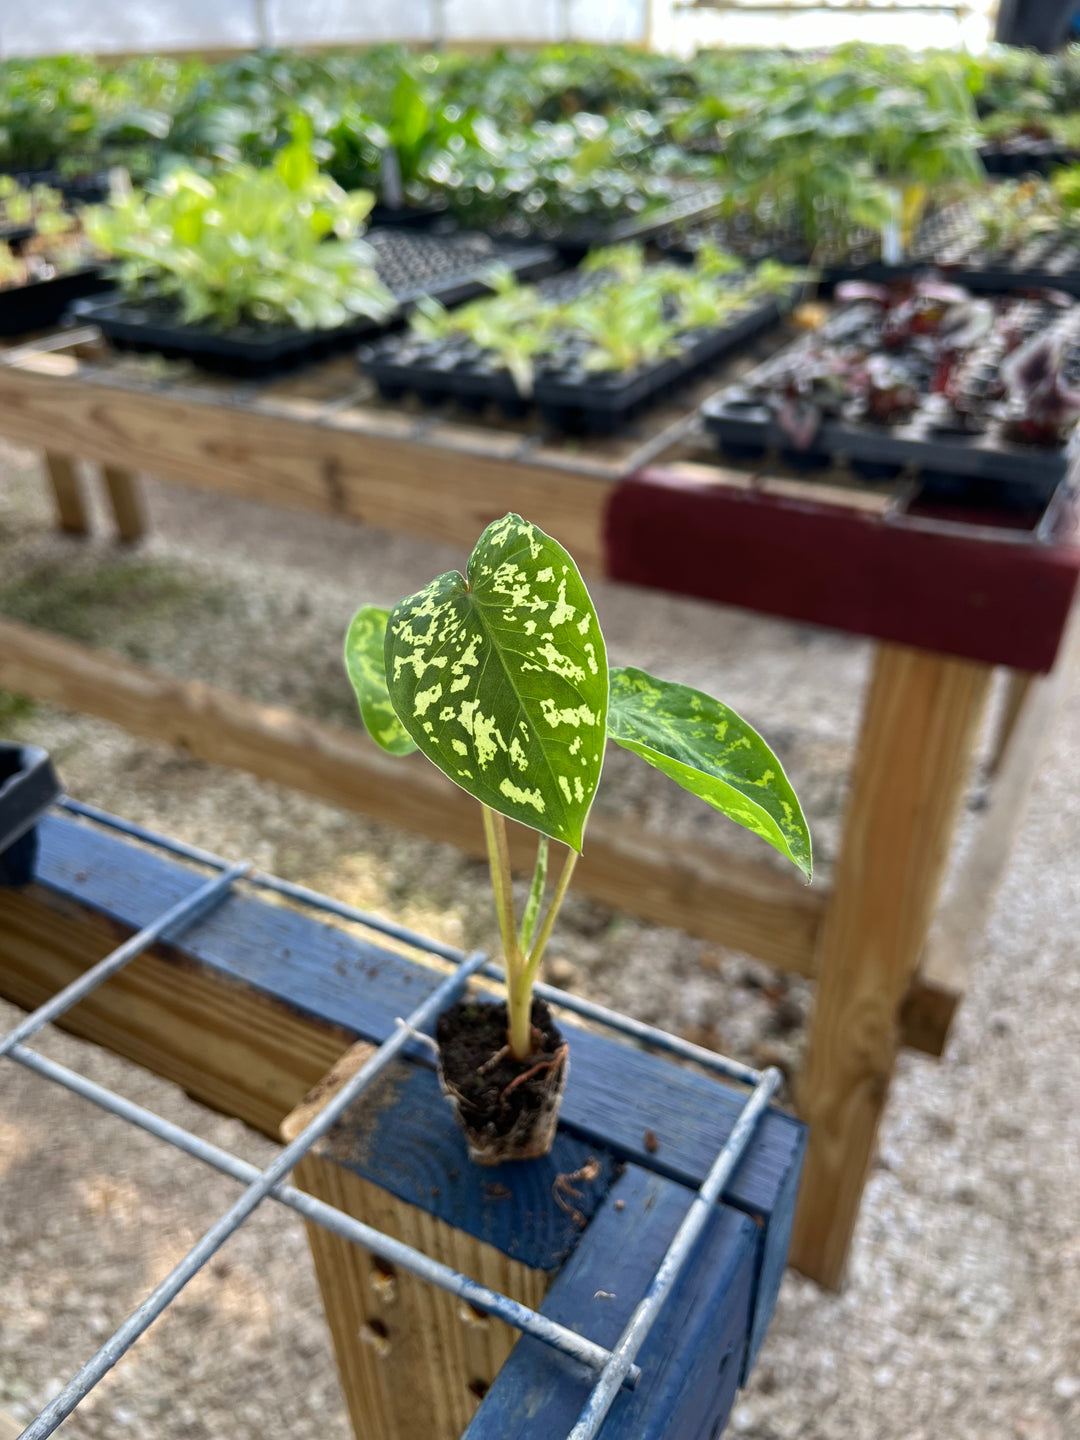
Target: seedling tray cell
[[28, 787], [43, 303], [569, 398], [450, 268]]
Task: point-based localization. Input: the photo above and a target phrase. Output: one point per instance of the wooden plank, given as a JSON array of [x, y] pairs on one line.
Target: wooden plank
[[1018, 684], [122, 488], [692, 1359], [960, 927], [71, 511], [746, 904], [261, 999], [340, 466], [919, 727], [942, 586], [397, 1162]]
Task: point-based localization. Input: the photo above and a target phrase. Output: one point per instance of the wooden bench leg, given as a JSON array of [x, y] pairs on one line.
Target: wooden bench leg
[[122, 488], [1018, 685], [67, 493], [918, 732]]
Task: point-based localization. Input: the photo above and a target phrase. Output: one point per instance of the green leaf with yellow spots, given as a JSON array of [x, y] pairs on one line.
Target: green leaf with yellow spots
[[364, 660], [710, 751], [500, 676]]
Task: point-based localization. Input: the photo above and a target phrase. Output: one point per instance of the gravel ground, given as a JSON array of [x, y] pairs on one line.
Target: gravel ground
[[962, 1314]]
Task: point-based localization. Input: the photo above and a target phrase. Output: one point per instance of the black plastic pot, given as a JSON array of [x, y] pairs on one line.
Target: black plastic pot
[[28, 786], [569, 398], [448, 268], [43, 303]]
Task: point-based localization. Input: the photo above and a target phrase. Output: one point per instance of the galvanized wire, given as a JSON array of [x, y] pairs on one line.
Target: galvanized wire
[[703, 1205], [395, 1252]]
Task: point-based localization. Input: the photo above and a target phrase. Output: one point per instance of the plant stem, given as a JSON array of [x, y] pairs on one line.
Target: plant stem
[[536, 895], [502, 885], [532, 964]]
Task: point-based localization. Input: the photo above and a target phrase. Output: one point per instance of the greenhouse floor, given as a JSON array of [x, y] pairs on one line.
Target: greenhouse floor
[[961, 1318]]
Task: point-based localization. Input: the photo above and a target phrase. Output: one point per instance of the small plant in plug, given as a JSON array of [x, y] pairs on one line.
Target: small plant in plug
[[500, 677]]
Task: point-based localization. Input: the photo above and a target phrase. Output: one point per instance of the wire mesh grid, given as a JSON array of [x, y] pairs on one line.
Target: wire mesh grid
[[614, 1368]]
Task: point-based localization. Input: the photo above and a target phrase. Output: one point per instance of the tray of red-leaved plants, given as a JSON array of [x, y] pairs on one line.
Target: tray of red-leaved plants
[[979, 394]]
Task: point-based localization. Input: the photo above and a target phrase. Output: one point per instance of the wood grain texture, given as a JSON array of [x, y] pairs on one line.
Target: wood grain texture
[[1017, 685], [1032, 707], [692, 1358], [338, 465], [412, 1359], [734, 901], [919, 727], [125, 501], [66, 486]]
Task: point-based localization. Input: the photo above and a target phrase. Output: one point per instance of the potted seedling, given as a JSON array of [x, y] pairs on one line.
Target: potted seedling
[[500, 678]]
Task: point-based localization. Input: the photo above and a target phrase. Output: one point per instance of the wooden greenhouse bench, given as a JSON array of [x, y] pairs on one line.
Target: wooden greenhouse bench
[[251, 1007], [946, 597]]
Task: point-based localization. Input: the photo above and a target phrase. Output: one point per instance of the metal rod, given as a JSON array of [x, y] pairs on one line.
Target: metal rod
[[396, 1252], [648, 1034], [141, 1319], [301, 893], [694, 1221], [182, 914]]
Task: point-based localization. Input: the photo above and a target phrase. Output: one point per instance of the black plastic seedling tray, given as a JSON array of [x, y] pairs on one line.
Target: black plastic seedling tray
[[948, 242], [573, 242], [449, 268], [977, 466], [1024, 156], [28, 786], [569, 398], [42, 303]]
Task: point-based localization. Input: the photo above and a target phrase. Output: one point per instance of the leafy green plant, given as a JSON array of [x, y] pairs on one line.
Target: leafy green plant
[[500, 678], [632, 314], [271, 246]]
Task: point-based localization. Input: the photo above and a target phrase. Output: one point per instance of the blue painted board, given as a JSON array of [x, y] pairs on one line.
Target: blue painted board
[[692, 1358], [403, 1137], [615, 1094]]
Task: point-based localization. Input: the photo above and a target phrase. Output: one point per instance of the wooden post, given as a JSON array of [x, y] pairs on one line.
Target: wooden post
[[67, 493], [919, 727], [122, 488], [1018, 684], [413, 1360]]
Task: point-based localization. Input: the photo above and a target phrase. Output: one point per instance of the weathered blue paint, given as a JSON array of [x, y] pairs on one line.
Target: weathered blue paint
[[690, 1362], [404, 1138], [772, 1256], [616, 1094]]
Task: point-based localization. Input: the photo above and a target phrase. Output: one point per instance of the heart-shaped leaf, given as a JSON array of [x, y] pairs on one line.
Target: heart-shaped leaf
[[710, 751], [364, 660], [500, 676]]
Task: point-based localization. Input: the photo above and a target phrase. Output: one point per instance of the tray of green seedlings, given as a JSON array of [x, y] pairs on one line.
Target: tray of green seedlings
[[979, 394], [589, 349], [44, 274], [577, 184]]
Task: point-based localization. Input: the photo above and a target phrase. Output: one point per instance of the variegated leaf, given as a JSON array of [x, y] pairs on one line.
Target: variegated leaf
[[710, 751], [365, 644], [500, 676]]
